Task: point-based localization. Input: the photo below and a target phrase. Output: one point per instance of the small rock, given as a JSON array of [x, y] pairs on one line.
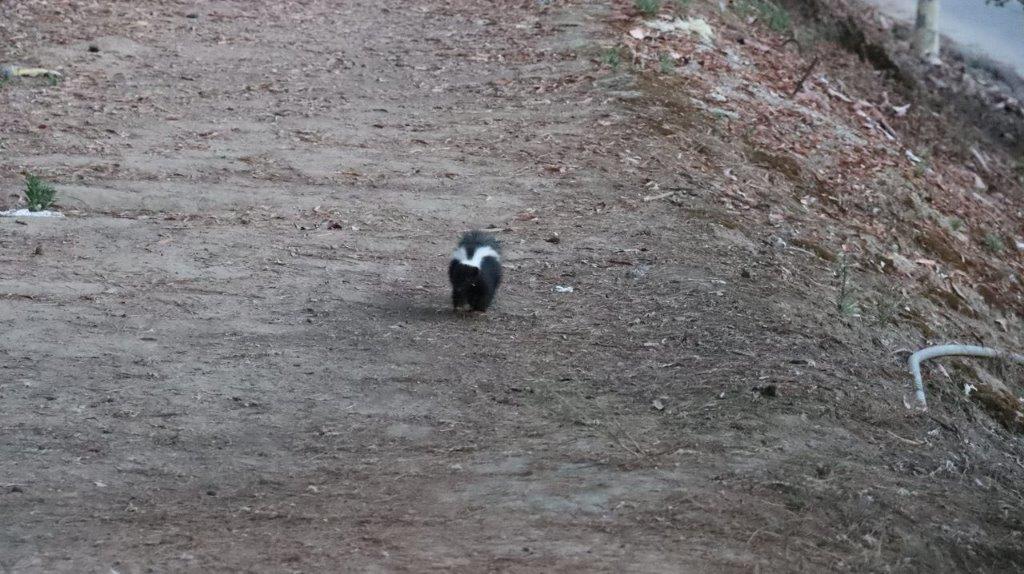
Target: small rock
[[979, 184], [554, 239], [900, 264], [745, 273], [639, 271], [38, 250], [769, 391], [94, 48]]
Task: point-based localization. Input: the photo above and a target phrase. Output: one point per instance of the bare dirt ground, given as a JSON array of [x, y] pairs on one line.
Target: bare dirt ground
[[236, 353]]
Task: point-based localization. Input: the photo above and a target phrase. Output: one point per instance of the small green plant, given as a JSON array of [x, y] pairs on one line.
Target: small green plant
[[775, 16], [888, 306], [665, 64], [956, 224], [924, 163], [849, 308], [808, 38], [778, 19], [647, 7], [993, 243], [612, 57], [845, 303], [38, 194], [683, 5]]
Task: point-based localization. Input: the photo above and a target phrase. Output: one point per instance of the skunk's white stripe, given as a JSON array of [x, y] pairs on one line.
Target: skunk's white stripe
[[478, 255]]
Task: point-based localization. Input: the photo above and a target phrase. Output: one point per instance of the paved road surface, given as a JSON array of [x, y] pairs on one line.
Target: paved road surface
[[993, 31]]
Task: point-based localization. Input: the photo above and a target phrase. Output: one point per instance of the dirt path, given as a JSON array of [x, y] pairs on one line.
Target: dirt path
[[237, 353]]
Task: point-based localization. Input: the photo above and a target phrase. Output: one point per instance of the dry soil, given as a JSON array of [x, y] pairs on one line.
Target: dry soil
[[236, 353]]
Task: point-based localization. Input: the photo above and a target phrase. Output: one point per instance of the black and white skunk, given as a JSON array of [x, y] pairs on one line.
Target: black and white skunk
[[475, 271]]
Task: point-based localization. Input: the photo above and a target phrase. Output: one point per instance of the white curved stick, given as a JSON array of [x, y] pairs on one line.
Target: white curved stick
[[950, 351], [17, 71]]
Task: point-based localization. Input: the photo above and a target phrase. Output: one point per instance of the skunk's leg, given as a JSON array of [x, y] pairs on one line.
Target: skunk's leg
[[458, 299], [480, 300]]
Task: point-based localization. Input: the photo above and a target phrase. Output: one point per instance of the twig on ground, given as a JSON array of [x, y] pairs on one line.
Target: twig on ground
[[659, 196], [803, 78], [906, 440]]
